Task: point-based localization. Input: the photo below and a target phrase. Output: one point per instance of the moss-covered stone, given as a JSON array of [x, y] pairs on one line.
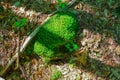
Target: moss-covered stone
[[57, 31]]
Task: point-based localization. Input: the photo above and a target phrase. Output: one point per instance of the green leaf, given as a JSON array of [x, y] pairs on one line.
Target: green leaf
[[67, 45], [72, 65], [24, 21], [116, 73], [71, 46], [105, 12], [16, 24], [62, 5], [70, 61], [75, 47], [97, 13]]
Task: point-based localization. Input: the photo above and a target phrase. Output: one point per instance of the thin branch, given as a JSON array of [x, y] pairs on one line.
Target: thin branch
[[18, 49], [30, 37]]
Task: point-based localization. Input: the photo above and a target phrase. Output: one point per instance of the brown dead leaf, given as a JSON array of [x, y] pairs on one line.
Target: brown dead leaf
[[117, 50], [82, 56]]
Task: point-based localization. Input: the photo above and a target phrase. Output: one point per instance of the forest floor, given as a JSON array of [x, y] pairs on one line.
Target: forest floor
[[98, 56]]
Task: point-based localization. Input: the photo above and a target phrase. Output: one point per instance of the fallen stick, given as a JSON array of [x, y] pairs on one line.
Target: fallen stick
[[22, 49], [30, 37]]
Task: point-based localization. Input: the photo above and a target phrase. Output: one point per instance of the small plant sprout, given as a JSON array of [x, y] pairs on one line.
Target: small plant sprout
[[71, 62], [61, 4], [72, 46], [20, 23]]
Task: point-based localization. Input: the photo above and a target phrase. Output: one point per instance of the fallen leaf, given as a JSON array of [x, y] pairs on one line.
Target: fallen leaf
[[82, 56]]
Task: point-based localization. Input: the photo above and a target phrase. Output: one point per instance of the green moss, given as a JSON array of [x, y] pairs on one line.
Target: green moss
[[57, 31]]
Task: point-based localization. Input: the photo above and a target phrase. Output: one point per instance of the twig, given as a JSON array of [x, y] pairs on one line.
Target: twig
[[30, 37], [18, 50], [9, 64], [22, 49], [22, 70]]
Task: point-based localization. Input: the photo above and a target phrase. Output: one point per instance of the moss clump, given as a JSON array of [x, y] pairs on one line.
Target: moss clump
[[57, 31]]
